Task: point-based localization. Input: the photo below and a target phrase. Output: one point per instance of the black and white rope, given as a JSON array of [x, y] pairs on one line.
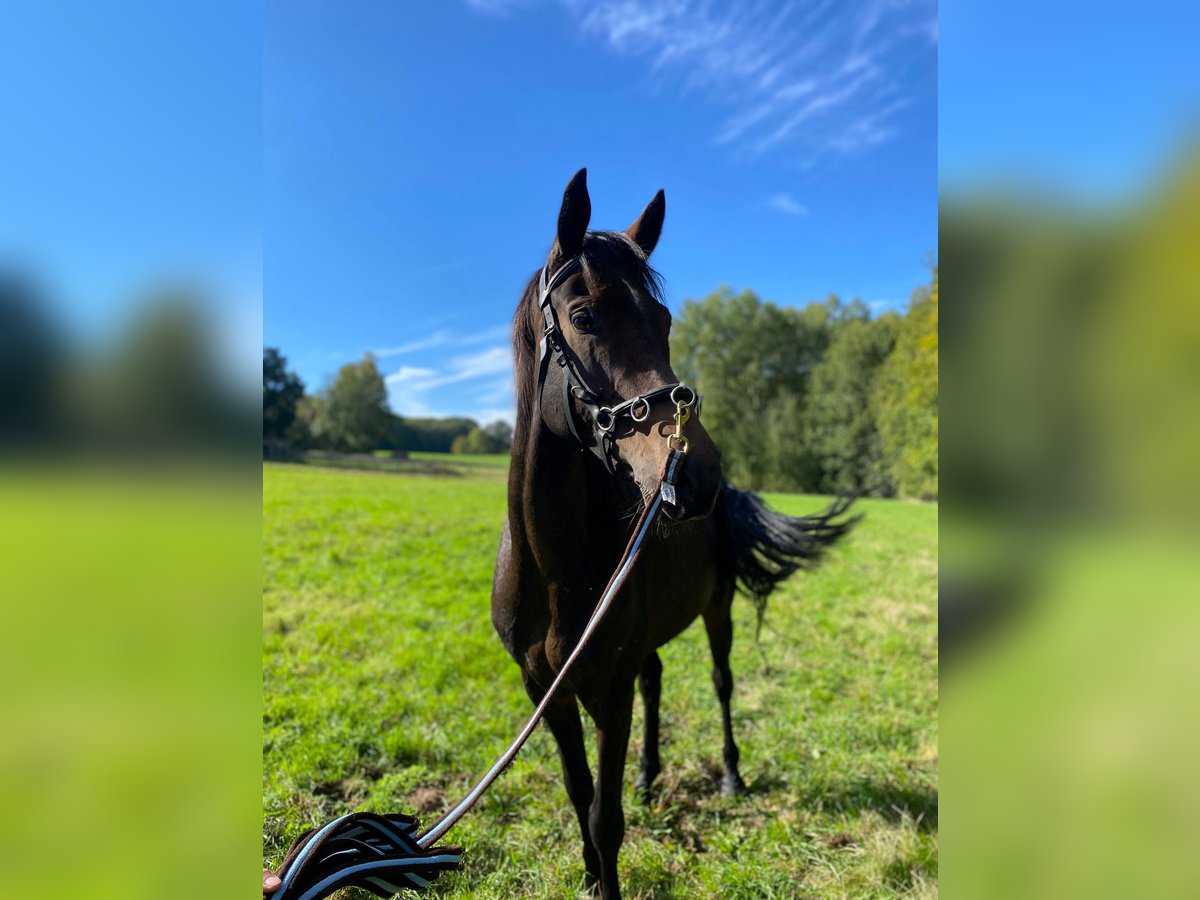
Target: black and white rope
[[378, 853]]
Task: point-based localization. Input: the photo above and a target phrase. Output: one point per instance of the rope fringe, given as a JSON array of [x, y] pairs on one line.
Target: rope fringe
[[377, 853]]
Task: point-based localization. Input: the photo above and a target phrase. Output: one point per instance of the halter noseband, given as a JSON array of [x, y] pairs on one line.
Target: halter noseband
[[604, 418]]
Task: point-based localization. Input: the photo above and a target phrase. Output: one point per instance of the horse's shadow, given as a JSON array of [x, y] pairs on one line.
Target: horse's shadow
[[891, 801], [687, 804]]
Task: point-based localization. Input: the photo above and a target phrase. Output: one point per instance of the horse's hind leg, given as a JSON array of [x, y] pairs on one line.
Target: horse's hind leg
[[562, 716], [650, 685], [718, 622]]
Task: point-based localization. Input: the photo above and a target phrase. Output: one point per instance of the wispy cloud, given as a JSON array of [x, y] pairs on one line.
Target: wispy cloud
[[411, 375], [787, 204], [445, 337], [818, 78], [437, 339], [460, 368], [486, 415], [483, 381]]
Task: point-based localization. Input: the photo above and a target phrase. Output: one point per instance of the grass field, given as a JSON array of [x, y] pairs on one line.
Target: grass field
[[487, 460], [387, 690]]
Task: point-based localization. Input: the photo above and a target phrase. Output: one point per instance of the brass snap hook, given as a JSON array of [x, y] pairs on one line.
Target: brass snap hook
[[683, 412]]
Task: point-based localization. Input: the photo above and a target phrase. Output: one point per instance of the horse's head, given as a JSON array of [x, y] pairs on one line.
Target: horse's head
[[599, 304]]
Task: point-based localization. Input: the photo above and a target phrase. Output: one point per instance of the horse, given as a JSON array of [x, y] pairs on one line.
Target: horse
[[595, 397]]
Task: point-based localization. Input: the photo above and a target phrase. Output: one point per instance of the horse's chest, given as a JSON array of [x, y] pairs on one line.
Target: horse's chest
[[614, 639]]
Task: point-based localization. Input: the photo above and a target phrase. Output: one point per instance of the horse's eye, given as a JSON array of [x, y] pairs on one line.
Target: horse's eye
[[583, 321]]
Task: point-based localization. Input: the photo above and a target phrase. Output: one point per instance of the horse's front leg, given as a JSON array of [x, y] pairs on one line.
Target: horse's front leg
[[612, 714], [562, 715]]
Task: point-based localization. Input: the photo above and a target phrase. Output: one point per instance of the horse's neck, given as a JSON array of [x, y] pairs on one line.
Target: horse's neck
[[557, 506]]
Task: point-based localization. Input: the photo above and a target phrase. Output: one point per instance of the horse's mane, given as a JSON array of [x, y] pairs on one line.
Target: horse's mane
[[607, 256]]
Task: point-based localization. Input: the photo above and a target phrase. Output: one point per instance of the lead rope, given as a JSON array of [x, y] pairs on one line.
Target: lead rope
[[384, 854]]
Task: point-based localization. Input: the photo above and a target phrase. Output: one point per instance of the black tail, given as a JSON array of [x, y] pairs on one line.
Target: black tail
[[766, 547]]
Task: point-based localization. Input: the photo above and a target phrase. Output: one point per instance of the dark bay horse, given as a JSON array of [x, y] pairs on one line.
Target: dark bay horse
[[590, 333]]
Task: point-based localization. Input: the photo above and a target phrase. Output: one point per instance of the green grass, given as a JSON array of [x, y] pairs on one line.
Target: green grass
[[487, 460], [387, 690], [494, 465]]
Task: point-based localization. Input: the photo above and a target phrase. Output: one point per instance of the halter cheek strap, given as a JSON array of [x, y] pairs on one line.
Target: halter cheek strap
[[603, 443], [552, 341]]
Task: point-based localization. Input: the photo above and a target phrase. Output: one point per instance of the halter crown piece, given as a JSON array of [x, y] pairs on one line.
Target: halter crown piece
[[604, 419]]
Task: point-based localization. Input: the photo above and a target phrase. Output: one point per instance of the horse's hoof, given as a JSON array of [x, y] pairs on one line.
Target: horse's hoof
[[732, 785], [641, 787]]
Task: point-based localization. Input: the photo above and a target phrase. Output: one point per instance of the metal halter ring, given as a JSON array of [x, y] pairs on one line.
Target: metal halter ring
[[604, 419], [691, 401], [645, 409]]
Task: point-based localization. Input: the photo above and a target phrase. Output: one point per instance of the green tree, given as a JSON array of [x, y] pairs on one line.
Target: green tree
[[303, 433], [282, 391], [162, 386], [906, 399], [790, 463], [745, 356], [840, 425], [475, 441], [500, 436], [495, 438], [352, 413], [430, 435], [33, 362]]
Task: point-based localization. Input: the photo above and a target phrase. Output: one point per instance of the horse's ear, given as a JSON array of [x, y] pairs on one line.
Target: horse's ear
[[645, 231], [573, 217]]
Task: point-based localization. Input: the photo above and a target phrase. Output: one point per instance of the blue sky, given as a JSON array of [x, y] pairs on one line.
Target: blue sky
[[384, 176], [131, 159], [415, 156], [1088, 102]]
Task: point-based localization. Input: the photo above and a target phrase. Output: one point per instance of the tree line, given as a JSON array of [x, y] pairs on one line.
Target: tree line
[[820, 398], [351, 415], [153, 385]]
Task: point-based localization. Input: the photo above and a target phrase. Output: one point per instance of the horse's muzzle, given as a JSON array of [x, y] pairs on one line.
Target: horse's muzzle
[[696, 493]]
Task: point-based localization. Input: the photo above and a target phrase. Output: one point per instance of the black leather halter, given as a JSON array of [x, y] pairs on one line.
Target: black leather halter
[[604, 419]]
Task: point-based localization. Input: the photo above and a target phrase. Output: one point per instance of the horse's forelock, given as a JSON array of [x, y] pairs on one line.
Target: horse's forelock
[[613, 253]]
